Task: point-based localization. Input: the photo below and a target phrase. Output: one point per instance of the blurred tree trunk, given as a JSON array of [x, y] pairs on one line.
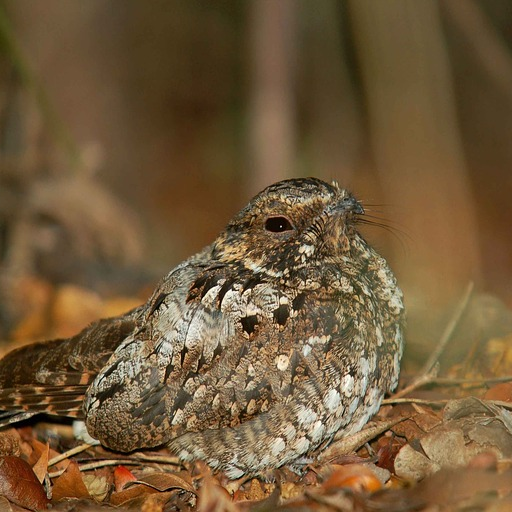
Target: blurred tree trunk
[[416, 143], [334, 130], [272, 102]]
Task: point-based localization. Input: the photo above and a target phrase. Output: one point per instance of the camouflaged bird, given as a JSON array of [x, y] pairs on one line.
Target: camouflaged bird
[[249, 355]]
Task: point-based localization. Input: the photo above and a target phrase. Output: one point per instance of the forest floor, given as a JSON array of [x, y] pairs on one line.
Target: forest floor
[[438, 444]]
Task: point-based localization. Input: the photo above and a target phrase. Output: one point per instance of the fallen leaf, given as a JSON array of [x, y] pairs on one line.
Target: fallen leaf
[[357, 477], [411, 464], [388, 447], [38, 449], [348, 444], [97, 486], [7, 506], [214, 498], [470, 487], [471, 426], [122, 475], [40, 468], [130, 494], [165, 482], [20, 485], [70, 484], [501, 392]]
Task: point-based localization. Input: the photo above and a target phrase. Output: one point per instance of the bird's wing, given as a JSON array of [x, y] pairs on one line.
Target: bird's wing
[[212, 354], [52, 376]]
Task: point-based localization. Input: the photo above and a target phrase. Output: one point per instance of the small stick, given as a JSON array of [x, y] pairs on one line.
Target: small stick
[[421, 401], [344, 445], [449, 330], [97, 464], [429, 371], [173, 461], [444, 381], [77, 449], [419, 381]]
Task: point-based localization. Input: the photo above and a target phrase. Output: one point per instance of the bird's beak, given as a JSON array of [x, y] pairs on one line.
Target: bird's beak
[[350, 204]]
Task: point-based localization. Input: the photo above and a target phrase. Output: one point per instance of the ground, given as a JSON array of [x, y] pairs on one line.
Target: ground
[[438, 444]]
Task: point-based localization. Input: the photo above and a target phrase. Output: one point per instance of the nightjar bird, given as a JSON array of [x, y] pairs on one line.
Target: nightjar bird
[[249, 355]]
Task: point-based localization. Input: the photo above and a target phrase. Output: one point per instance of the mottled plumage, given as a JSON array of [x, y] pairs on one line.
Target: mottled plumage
[[249, 355]]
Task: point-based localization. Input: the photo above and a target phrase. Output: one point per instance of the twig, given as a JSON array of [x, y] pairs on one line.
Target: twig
[[173, 461], [449, 330], [343, 445], [77, 449], [418, 382], [420, 401], [98, 464], [440, 403], [444, 381], [163, 459], [429, 370]]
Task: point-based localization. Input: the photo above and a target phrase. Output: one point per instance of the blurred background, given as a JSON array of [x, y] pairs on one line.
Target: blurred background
[[130, 132]]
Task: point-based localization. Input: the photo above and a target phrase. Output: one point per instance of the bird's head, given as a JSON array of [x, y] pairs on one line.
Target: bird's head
[[292, 224]]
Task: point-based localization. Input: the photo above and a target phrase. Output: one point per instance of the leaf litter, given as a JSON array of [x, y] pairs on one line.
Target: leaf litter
[[438, 444]]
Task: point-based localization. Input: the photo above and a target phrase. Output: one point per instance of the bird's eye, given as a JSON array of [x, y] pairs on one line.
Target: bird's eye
[[278, 224]]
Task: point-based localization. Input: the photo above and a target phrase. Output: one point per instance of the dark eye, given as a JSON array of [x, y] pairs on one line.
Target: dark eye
[[278, 224]]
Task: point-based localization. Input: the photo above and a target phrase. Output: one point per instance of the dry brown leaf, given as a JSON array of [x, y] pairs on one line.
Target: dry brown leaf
[[388, 447], [122, 475], [70, 484], [501, 392], [357, 477], [165, 482], [128, 495], [19, 484], [156, 502], [484, 460], [40, 468], [7, 506], [417, 423], [157, 482], [214, 498], [38, 449], [464, 486], [291, 490], [471, 426], [97, 486]]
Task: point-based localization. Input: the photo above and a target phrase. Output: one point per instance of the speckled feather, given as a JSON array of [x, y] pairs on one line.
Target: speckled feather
[[249, 355]]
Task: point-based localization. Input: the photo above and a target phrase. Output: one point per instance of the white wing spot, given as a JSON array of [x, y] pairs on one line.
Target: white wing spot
[[317, 431], [302, 445], [332, 400], [278, 446], [306, 416], [347, 384], [282, 361]]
